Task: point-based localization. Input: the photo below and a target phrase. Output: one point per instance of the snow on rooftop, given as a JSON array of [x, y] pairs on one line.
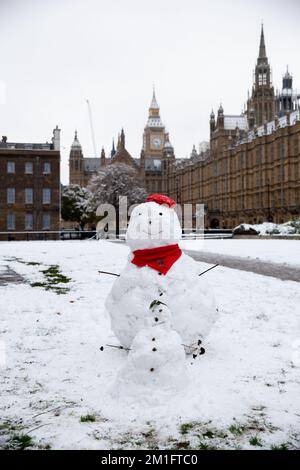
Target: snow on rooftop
[[271, 126]]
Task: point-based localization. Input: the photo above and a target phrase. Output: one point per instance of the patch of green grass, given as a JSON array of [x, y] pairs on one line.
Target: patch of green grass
[[208, 434], [20, 441], [255, 441], [283, 446], [205, 446], [186, 427], [88, 418], [39, 284], [53, 277], [236, 430]]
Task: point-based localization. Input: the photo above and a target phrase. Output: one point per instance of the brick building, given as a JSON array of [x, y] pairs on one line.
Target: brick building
[[29, 188]]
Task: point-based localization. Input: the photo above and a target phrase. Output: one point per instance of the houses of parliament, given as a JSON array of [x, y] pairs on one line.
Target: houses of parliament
[[248, 173]]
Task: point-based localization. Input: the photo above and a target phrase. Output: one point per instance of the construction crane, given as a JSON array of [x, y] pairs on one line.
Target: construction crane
[[92, 127]]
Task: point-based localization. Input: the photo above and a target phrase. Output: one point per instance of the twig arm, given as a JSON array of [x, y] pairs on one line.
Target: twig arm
[[107, 272], [206, 271]]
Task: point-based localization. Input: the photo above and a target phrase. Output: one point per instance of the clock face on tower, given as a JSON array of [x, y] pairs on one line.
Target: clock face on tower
[[156, 142]]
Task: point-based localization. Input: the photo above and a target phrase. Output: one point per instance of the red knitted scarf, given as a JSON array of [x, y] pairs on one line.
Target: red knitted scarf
[[161, 258]]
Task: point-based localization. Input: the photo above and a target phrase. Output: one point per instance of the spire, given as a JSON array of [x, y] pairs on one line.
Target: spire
[[113, 150], [76, 143], [154, 119], [122, 140], [287, 73], [154, 104], [262, 45]]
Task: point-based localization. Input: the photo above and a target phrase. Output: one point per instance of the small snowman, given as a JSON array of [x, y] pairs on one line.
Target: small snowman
[[157, 269], [156, 360]]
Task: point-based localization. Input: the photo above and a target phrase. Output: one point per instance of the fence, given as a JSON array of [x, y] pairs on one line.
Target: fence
[[93, 235]]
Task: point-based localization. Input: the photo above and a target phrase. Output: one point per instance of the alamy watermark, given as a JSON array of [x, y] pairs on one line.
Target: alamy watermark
[[114, 221]]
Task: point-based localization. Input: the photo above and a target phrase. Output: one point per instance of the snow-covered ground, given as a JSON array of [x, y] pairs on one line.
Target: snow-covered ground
[[57, 383], [275, 251]]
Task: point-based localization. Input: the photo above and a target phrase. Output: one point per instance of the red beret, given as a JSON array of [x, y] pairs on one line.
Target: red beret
[[161, 199]]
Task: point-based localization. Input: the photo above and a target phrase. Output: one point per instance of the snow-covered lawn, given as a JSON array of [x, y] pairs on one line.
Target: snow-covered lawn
[[276, 251], [56, 387]]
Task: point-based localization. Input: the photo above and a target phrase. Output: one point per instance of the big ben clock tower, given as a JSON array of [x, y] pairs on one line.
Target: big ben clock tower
[[155, 139]]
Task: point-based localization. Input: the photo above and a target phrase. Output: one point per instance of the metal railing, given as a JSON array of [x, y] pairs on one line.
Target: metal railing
[[94, 235]]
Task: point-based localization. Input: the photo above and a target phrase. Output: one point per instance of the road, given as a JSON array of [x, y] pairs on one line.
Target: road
[[266, 268]]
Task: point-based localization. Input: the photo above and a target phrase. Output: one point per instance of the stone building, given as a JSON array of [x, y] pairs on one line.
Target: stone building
[[251, 173], [156, 147], [29, 189], [244, 179], [81, 168], [287, 98]]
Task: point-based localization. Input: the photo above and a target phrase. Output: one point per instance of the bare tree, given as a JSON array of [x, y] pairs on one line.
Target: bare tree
[[114, 181]]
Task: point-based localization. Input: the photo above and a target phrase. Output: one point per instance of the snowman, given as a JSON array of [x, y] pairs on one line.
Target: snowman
[[156, 360], [157, 269]]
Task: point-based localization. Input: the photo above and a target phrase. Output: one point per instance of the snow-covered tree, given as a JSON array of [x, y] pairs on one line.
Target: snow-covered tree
[[76, 204], [114, 181]]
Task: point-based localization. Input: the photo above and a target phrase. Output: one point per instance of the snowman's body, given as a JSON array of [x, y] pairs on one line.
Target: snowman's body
[[188, 296], [156, 360]]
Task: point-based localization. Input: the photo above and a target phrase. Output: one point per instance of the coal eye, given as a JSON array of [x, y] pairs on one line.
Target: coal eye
[[140, 213], [160, 213]]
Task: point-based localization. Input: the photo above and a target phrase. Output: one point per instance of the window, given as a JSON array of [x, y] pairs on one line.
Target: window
[[11, 195], [46, 196], [11, 222], [152, 165], [11, 167], [46, 222], [47, 168], [28, 168], [262, 79], [28, 195], [28, 221]]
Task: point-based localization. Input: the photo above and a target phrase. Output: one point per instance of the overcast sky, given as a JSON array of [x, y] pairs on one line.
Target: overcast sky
[[57, 53]]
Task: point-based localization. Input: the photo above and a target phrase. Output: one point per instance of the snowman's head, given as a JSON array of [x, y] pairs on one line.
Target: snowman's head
[[159, 314], [153, 223]]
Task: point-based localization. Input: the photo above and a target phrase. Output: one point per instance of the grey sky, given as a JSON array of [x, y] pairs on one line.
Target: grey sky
[[57, 53]]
